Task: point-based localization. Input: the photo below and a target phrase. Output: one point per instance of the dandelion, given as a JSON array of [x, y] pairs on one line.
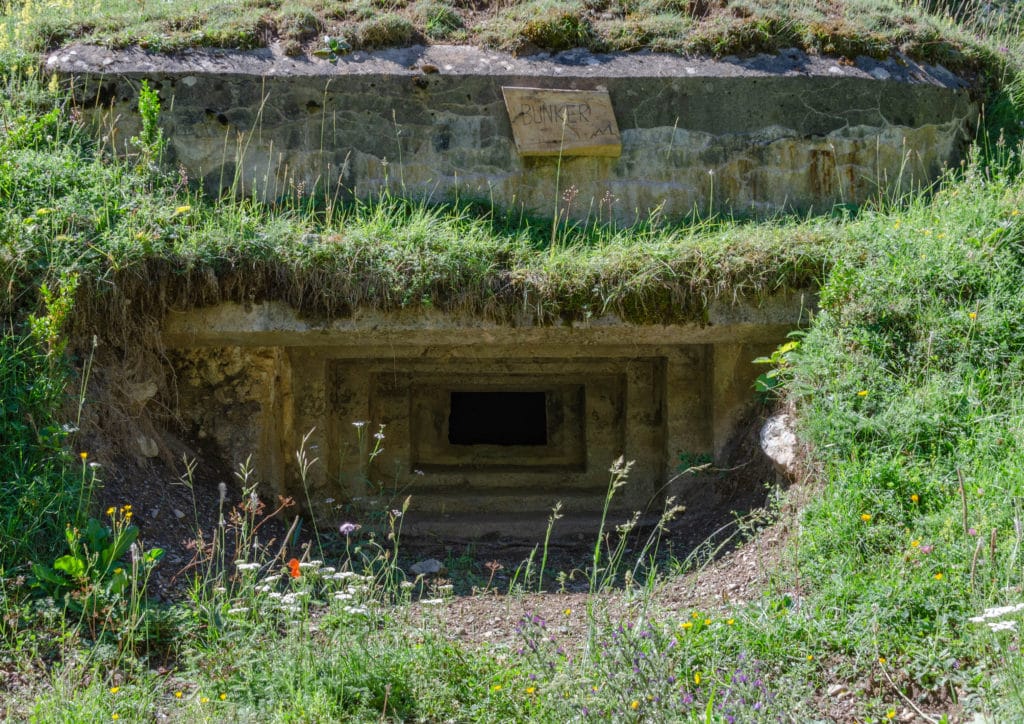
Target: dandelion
[[223, 696], [891, 714], [115, 716], [531, 690], [972, 315], [110, 511], [915, 498], [696, 678], [866, 517], [496, 687], [882, 660], [810, 657], [204, 700], [915, 543], [686, 625], [634, 705], [730, 621], [115, 689], [862, 393], [937, 576], [83, 455], [567, 611], [178, 694], [707, 622], [184, 209], [293, 568]]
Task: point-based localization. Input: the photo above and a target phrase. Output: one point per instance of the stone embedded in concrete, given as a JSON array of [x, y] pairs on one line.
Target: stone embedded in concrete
[[753, 135]]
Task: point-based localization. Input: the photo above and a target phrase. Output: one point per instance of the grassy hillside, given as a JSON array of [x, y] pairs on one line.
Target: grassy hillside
[[908, 387]]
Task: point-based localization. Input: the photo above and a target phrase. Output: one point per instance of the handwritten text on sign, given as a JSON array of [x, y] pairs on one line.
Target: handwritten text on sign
[[562, 122]]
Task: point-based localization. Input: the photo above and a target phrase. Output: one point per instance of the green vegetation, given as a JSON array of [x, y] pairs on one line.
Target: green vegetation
[[909, 385], [719, 27]]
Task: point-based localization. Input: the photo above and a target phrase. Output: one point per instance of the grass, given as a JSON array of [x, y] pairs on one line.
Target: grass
[[909, 386], [928, 32]]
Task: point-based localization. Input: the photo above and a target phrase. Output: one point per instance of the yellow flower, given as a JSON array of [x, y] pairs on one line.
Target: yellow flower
[[531, 689], [707, 622], [182, 210], [116, 572], [696, 678], [496, 687], [634, 705], [810, 657], [685, 625], [694, 615], [937, 576], [223, 696], [204, 700], [862, 393], [881, 660], [1015, 212], [110, 511], [177, 695], [567, 611], [914, 498], [83, 455], [915, 543], [115, 716], [891, 714], [730, 621], [972, 315], [115, 689], [43, 211], [865, 517]]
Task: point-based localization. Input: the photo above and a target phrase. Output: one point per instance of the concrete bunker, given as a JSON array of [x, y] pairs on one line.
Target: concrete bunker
[[486, 426]]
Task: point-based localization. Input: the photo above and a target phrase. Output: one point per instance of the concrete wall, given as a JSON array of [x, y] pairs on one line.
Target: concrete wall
[[257, 381], [749, 135]]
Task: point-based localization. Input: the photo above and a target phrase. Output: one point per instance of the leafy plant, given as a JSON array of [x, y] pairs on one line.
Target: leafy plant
[[781, 360], [92, 576]]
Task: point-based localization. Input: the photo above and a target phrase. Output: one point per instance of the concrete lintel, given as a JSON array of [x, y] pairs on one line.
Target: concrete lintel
[[410, 333]]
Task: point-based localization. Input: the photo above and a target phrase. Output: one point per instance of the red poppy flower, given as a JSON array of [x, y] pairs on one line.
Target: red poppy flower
[[293, 567]]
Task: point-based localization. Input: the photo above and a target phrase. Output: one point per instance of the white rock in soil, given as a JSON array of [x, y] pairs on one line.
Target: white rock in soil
[[779, 443], [429, 566], [141, 392], [147, 446]]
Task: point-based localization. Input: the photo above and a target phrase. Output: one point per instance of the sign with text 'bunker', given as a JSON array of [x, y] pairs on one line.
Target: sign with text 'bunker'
[[562, 122]]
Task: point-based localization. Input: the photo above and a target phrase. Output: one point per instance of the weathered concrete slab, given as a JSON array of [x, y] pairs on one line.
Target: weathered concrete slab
[[753, 135]]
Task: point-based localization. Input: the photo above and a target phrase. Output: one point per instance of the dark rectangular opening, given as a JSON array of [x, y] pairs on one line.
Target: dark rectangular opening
[[498, 418]]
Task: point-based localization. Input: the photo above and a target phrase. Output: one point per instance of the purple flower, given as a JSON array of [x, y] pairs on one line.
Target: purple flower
[[348, 529]]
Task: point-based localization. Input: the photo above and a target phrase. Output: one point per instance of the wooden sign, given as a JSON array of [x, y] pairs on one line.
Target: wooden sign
[[562, 122]]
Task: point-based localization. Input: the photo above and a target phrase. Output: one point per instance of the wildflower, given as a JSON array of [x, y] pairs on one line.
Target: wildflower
[[115, 689], [915, 543], [972, 531], [882, 660], [310, 565], [866, 517], [293, 568], [178, 694], [685, 625], [83, 455], [694, 615], [347, 529], [117, 572], [243, 566], [891, 714], [972, 315], [696, 678], [914, 498], [707, 622], [634, 705], [810, 657], [115, 716], [110, 511], [496, 687], [730, 621], [926, 549], [1002, 625], [567, 611], [531, 690], [359, 424], [204, 700], [937, 576], [184, 209], [862, 393], [223, 696]]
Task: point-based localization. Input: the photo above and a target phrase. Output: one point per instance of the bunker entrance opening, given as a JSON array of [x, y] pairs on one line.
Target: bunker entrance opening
[[498, 418]]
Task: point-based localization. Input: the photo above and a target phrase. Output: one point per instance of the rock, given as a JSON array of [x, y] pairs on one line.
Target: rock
[[779, 443], [141, 392], [147, 446], [428, 567], [178, 514]]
